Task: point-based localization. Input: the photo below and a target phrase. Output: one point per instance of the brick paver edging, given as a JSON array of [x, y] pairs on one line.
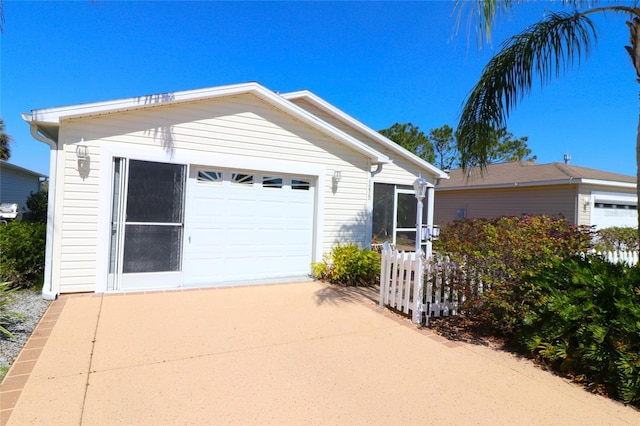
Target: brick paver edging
[[18, 374]]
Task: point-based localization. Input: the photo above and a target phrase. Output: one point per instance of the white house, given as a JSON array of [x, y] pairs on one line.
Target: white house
[[230, 184]]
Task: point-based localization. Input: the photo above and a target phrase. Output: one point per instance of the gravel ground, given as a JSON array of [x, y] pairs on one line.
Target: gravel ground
[[31, 306]]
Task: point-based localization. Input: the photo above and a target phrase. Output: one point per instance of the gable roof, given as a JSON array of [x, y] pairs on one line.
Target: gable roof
[[355, 124], [47, 121], [13, 167], [525, 173]]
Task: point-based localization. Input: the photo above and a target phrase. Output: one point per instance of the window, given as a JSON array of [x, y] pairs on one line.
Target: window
[[271, 182], [208, 176], [242, 178], [300, 184], [616, 206]]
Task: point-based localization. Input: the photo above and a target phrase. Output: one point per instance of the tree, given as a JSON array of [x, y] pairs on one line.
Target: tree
[[5, 139], [504, 149], [412, 139], [36, 210], [440, 147], [544, 50], [444, 145]]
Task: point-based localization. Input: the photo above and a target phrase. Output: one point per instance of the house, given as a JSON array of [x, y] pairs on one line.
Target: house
[[17, 183], [582, 195], [215, 186]]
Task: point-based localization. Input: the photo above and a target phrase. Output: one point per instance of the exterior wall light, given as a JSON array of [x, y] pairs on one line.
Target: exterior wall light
[[420, 188], [82, 153], [337, 176]]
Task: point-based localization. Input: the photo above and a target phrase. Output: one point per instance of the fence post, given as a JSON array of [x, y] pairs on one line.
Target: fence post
[[385, 257], [418, 290]]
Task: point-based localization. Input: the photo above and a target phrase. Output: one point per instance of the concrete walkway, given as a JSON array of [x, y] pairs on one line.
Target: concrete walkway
[[304, 353]]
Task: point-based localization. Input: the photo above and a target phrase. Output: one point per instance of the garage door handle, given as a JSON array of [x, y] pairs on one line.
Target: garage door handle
[[189, 239]]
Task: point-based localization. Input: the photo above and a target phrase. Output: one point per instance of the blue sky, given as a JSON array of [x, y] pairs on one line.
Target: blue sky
[[380, 62]]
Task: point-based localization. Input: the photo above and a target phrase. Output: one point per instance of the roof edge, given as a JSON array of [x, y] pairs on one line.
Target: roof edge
[[327, 107], [51, 117]]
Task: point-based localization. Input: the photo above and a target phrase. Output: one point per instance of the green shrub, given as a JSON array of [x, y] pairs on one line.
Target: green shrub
[[504, 251], [617, 238], [585, 321], [6, 315], [36, 210], [22, 246], [349, 265]]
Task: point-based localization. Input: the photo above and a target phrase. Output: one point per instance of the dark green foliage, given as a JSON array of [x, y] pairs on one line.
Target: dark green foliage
[[349, 265], [543, 51], [5, 139], [36, 207], [22, 246], [584, 320], [503, 252], [617, 238], [412, 139]]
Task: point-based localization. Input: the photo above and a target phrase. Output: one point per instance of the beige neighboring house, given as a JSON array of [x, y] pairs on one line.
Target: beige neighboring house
[[582, 195], [215, 186]]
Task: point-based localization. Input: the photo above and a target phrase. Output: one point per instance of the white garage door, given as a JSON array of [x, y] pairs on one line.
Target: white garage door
[[245, 226], [611, 209]]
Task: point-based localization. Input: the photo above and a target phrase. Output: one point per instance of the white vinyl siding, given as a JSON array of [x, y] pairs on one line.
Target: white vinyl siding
[[77, 213], [242, 127]]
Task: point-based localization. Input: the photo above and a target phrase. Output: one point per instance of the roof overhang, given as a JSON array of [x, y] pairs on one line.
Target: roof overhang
[[48, 120], [387, 143], [4, 164], [571, 181]]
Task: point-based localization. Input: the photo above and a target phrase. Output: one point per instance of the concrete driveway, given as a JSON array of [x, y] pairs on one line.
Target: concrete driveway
[[303, 353]]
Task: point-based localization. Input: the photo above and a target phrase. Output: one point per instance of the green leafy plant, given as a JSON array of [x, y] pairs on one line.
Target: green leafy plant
[[585, 322], [502, 252], [349, 265], [22, 246], [5, 314], [617, 238]]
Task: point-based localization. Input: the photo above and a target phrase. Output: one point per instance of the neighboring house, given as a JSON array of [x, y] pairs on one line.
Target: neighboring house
[[230, 184], [17, 183], [582, 195]]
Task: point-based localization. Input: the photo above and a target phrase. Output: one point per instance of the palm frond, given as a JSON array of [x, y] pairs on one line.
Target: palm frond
[[544, 50], [482, 14]]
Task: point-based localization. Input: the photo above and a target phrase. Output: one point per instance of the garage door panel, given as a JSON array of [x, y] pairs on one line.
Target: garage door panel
[[242, 232]]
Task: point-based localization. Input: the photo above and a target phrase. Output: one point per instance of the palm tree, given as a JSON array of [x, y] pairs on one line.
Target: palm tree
[[5, 139], [544, 50]]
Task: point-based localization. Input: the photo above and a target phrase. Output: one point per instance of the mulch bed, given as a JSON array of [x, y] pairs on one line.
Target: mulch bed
[[461, 329]]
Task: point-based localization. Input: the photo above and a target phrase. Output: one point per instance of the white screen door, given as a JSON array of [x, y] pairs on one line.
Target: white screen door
[[147, 225]]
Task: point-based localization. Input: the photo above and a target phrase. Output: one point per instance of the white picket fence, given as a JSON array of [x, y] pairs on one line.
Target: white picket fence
[[422, 288], [628, 257], [429, 288]]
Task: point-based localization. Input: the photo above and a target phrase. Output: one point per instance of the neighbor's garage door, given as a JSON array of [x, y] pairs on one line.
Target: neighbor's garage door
[[247, 226]]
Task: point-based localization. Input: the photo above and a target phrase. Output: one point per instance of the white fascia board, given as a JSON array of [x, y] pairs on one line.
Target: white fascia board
[[53, 116], [56, 114], [327, 107], [324, 127], [609, 183], [514, 185]]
